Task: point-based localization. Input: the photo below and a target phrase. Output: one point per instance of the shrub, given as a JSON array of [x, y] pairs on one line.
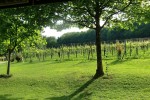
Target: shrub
[[119, 50]]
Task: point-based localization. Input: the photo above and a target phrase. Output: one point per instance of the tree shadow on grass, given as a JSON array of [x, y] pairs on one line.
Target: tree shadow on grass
[[5, 76], [119, 61], [8, 97], [78, 91]]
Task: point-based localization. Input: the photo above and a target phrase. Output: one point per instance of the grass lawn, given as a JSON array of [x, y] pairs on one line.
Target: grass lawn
[[54, 80]]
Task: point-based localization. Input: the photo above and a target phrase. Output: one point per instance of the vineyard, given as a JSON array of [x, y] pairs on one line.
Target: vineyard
[[127, 49]]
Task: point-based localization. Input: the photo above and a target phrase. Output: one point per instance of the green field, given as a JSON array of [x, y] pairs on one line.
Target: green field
[[65, 80]]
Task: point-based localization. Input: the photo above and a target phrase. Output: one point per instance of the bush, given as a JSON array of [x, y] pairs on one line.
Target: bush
[[18, 58]]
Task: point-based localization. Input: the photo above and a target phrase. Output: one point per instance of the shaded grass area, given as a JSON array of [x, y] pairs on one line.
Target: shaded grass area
[[72, 80], [5, 76]]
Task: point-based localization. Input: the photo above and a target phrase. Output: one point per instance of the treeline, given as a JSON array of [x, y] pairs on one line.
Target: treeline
[[141, 31]]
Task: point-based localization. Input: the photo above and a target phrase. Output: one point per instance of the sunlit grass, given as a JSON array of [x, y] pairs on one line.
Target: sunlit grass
[[65, 80]]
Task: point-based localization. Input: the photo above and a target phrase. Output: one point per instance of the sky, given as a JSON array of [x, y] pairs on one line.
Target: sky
[[52, 32]]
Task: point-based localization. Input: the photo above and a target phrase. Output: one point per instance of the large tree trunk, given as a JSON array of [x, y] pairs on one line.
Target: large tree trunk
[[8, 66], [99, 70]]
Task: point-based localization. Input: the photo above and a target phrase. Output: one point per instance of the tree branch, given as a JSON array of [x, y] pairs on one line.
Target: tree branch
[[89, 11], [105, 4], [108, 18], [81, 24]]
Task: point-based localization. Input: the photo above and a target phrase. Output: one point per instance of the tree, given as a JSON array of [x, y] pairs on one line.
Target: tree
[[14, 30], [96, 14], [18, 24], [51, 42], [33, 45]]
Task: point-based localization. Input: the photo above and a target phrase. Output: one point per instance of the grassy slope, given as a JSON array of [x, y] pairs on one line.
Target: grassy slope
[[52, 80]]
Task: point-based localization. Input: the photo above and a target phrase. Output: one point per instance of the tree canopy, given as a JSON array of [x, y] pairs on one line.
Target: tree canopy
[[18, 25]]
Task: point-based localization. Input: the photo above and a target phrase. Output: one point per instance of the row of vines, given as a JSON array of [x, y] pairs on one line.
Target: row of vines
[[116, 50]]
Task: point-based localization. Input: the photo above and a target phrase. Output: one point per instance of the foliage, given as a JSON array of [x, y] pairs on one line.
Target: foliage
[[51, 42], [127, 49], [111, 13], [16, 28], [109, 35]]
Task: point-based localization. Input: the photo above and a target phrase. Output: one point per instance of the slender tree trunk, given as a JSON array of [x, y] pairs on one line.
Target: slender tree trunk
[[89, 54], [8, 66], [43, 56], [68, 54], [91, 49]]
